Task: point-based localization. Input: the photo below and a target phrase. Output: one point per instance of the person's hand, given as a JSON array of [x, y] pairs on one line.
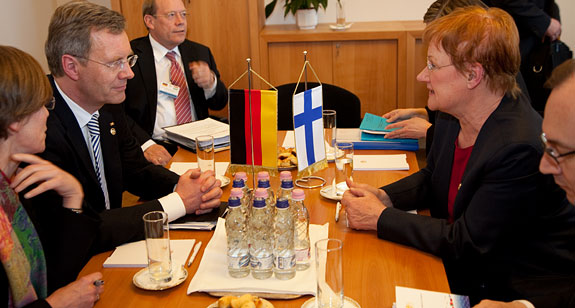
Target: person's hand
[[48, 177], [554, 29], [380, 194], [414, 128], [362, 207], [202, 75], [494, 304], [157, 155], [78, 294], [200, 191], [405, 113]]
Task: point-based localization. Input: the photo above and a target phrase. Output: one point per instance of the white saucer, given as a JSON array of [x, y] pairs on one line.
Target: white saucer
[[142, 279], [341, 28], [347, 303], [224, 179], [327, 191]]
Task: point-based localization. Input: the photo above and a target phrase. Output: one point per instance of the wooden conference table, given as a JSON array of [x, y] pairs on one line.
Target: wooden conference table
[[372, 267]]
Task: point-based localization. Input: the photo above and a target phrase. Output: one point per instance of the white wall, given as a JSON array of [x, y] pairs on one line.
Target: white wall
[[378, 10], [24, 24]]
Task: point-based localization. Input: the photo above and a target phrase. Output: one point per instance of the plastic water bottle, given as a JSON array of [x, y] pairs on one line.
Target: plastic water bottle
[[301, 233], [286, 186], [264, 182], [240, 179], [260, 237], [236, 231], [284, 255]]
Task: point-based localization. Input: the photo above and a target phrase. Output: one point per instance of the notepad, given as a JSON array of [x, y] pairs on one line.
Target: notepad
[[408, 297], [135, 254], [181, 167], [380, 162], [374, 124]]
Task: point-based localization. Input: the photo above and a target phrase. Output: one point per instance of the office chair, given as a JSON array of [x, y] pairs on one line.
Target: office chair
[[346, 104]]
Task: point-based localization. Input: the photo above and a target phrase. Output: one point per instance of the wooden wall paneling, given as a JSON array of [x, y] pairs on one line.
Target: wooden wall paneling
[[369, 69], [132, 11], [416, 92], [286, 61]]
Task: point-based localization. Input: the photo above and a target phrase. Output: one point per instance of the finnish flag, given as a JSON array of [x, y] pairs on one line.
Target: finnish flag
[[308, 127]]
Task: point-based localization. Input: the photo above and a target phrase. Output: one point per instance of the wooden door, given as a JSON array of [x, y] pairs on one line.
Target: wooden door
[[369, 69]]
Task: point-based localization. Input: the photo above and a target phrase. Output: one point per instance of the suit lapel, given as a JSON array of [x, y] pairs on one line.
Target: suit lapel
[[73, 132], [147, 66]]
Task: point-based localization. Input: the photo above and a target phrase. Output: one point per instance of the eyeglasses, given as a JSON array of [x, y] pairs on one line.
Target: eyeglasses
[[50, 104], [117, 65], [551, 151], [172, 15], [432, 67]]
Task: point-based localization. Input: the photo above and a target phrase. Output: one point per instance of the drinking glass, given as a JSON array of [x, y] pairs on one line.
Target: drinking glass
[[343, 164], [329, 133], [158, 246], [205, 153], [340, 13], [329, 266]]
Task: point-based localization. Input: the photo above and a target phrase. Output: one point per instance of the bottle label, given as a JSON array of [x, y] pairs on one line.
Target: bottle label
[[302, 255], [238, 262], [262, 263], [285, 263]]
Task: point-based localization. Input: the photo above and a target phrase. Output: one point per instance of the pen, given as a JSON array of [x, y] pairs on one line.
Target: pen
[[98, 282], [191, 248], [337, 210], [196, 249]]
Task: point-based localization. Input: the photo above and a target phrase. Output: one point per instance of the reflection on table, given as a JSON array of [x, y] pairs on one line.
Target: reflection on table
[[372, 267]]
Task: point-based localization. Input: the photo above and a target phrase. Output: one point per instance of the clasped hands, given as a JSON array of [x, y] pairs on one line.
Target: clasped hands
[[363, 205], [200, 191]]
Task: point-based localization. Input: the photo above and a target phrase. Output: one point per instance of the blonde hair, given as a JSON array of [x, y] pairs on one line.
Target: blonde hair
[[478, 35], [24, 88]]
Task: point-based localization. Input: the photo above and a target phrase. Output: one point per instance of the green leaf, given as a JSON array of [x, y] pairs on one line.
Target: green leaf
[[270, 8]]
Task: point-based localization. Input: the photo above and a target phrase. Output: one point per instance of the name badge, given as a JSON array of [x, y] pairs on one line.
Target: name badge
[[169, 89]]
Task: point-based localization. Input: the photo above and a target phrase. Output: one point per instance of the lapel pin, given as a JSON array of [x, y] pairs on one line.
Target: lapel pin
[[113, 129]]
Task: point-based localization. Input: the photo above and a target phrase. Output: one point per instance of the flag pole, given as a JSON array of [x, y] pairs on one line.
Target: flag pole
[[249, 61], [305, 69]]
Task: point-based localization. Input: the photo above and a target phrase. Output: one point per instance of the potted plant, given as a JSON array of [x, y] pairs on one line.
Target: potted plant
[[305, 11]]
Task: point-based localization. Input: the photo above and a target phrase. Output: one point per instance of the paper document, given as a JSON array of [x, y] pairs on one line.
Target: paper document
[[380, 162], [212, 274], [408, 297], [186, 134], [135, 254], [206, 221], [181, 168]]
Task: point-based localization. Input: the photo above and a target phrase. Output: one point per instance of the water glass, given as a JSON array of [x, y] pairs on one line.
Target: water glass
[[343, 164], [158, 246], [329, 133], [340, 13], [329, 266], [205, 153]]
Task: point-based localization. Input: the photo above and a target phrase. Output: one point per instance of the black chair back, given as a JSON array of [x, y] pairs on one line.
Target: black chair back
[[346, 104]]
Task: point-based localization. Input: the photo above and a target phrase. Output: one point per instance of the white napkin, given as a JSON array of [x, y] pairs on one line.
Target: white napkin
[[380, 162], [135, 254], [181, 168], [212, 275]]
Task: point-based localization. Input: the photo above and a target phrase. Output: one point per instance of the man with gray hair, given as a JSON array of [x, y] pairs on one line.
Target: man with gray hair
[[176, 80], [87, 135]]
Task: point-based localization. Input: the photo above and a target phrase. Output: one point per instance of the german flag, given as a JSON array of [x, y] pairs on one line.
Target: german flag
[[263, 129]]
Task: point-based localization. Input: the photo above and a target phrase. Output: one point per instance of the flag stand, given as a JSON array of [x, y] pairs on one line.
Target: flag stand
[[304, 181], [249, 71]]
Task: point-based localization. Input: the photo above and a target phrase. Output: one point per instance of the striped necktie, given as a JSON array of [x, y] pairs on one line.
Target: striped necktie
[[182, 101], [94, 130]]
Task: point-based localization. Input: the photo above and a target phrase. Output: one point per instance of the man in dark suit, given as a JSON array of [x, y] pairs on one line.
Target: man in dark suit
[[559, 161], [154, 94], [87, 135]]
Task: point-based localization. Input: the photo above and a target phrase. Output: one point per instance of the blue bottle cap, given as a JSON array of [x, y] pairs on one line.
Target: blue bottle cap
[[282, 203]]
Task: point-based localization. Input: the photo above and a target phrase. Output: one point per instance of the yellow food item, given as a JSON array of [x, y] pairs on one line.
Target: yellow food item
[[244, 301], [287, 157]]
